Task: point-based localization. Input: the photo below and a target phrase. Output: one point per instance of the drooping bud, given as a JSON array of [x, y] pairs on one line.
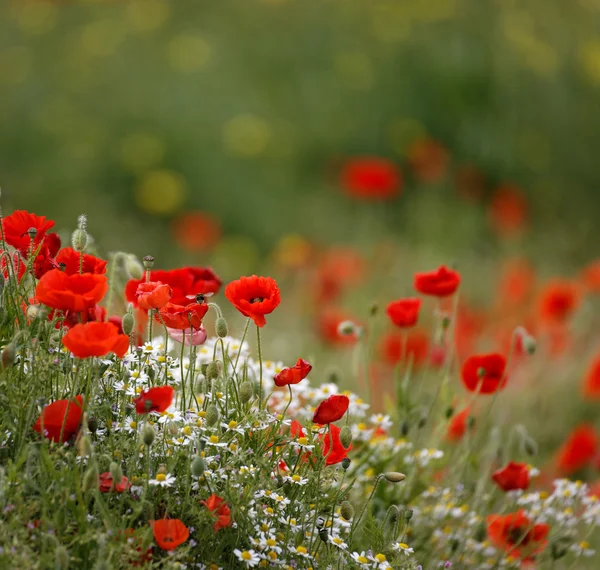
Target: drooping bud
[[212, 370], [408, 513], [90, 478], [9, 353], [346, 437], [245, 392], [84, 446], [449, 412], [198, 466], [422, 421], [116, 472], [148, 435], [32, 312], [394, 476], [201, 444], [128, 322], [471, 422], [320, 522], [212, 415], [530, 447], [373, 309], [92, 424], [148, 261], [347, 510], [560, 546], [61, 558], [404, 428], [334, 376], [133, 267], [346, 463], [529, 344], [324, 535], [221, 327]]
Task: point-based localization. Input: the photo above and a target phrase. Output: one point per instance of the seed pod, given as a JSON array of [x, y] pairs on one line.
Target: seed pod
[[530, 446], [221, 327], [148, 262], [346, 437], [212, 415], [394, 476], [246, 392], [116, 472], [198, 466], [90, 478], [148, 435], [347, 510], [346, 463], [92, 424]]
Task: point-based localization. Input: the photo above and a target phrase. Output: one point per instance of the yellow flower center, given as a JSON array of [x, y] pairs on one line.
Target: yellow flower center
[[246, 555], [187, 430], [362, 560], [303, 440], [296, 478], [161, 477], [132, 425], [214, 439], [403, 545], [271, 542], [380, 557], [232, 424], [301, 550]]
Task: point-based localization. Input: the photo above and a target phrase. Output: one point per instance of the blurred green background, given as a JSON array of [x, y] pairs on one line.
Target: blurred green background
[[137, 111]]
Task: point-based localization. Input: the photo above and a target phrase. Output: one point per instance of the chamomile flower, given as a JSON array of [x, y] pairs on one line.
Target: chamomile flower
[[248, 557], [162, 480], [403, 548]]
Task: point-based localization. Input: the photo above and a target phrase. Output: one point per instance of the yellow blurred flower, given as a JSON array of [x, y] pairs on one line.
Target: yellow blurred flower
[[147, 15], [355, 69], [246, 135], [589, 57], [36, 17], [189, 52], [161, 192], [102, 38], [140, 151]]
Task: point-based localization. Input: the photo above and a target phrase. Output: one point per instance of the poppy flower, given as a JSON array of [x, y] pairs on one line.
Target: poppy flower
[[484, 373], [428, 160], [578, 449], [196, 231], [189, 337], [338, 452], [328, 324], [74, 293], [156, 399], [442, 282], [152, 295], [296, 429], [254, 297], [169, 533], [591, 382], [182, 317], [217, 506], [519, 536], [60, 420], [185, 283], [17, 225], [404, 312], [96, 339], [508, 210], [339, 268], [590, 276], [512, 477], [417, 347], [293, 375], [516, 282], [457, 427], [107, 483], [331, 410], [45, 259], [558, 300], [70, 261], [371, 178]]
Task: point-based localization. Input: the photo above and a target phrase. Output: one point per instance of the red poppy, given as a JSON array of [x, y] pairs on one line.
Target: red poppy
[[578, 450], [457, 427], [339, 268], [417, 347], [470, 183], [152, 295], [107, 483], [182, 317], [45, 259], [404, 312], [217, 506], [74, 293], [558, 300], [60, 420], [169, 533], [512, 477], [189, 337], [156, 399], [591, 276], [296, 429], [254, 297], [428, 160], [517, 534], [442, 282], [484, 373], [331, 410], [196, 231], [591, 382], [371, 178], [338, 451], [516, 282], [16, 230], [70, 260], [508, 210], [328, 327], [96, 339], [293, 375], [185, 283]]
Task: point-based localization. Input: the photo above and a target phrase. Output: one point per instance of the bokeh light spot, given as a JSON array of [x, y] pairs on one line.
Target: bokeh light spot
[[140, 151], [36, 17], [189, 52], [147, 15], [161, 192], [355, 70], [589, 57], [246, 135]]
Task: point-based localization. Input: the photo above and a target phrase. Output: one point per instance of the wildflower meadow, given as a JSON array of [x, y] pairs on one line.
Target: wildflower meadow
[[133, 433]]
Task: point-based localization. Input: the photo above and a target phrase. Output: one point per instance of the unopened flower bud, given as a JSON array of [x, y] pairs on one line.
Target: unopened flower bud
[[162, 469], [116, 472], [127, 323], [480, 532], [320, 522], [530, 447], [346, 463], [324, 535], [373, 309], [9, 353], [79, 240], [148, 435], [198, 466], [334, 376], [148, 262], [393, 513], [245, 391], [346, 437], [347, 510], [90, 478], [449, 412], [212, 370], [408, 513], [134, 267], [84, 446], [394, 476], [529, 344], [92, 424], [446, 321], [201, 443], [346, 328], [299, 538], [61, 558], [560, 547], [404, 428], [212, 415], [32, 312], [422, 421], [221, 327], [471, 422], [454, 544]]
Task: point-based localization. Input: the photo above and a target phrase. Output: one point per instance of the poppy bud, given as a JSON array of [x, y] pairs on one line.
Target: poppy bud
[[346, 463], [454, 544], [530, 447], [560, 547], [529, 344], [373, 309], [408, 513], [84, 446], [480, 532], [299, 538], [333, 376], [393, 513], [198, 466], [79, 239], [116, 472], [446, 322], [148, 261], [61, 557], [394, 476], [347, 510], [346, 328], [148, 435], [127, 323], [134, 267], [212, 370], [92, 424], [90, 478], [324, 535], [212, 415], [471, 422], [201, 443], [449, 412], [8, 354], [404, 428], [346, 437], [33, 312], [245, 392], [221, 327], [422, 421]]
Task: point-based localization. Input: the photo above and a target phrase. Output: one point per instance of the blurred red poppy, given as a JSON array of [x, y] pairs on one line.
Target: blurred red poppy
[[107, 483], [152, 295], [442, 282], [558, 300], [428, 160], [293, 375], [578, 449], [590, 276], [484, 373], [371, 178], [76, 293], [508, 210], [470, 183], [96, 339], [591, 382], [457, 427], [404, 312], [339, 269], [254, 297], [217, 506], [328, 324], [331, 410], [512, 477], [517, 279], [169, 533], [336, 453], [70, 262], [393, 348], [60, 420], [156, 399], [182, 317], [519, 536], [196, 231]]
